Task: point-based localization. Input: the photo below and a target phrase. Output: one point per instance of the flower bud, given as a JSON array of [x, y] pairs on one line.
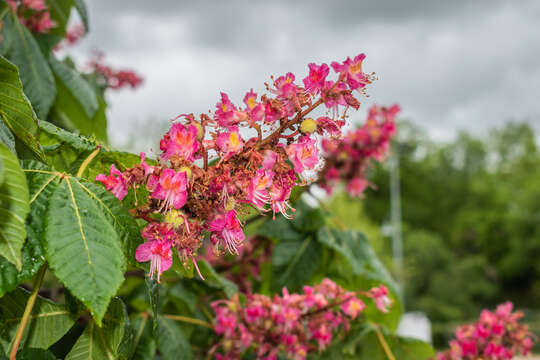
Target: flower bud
[[200, 131], [174, 217], [187, 170], [231, 203], [308, 126]]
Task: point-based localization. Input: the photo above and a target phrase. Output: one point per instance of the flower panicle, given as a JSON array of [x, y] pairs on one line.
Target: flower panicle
[[211, 172], [288, 324], [497, 335]]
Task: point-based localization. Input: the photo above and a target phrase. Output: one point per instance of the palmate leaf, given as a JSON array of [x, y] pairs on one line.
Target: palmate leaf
[[13, 208], [48, 322], [83, 247], [36, 76], [105, 341], [15, 109]]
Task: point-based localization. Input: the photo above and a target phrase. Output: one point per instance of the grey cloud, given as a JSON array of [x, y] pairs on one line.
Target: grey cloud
[[450, 64]]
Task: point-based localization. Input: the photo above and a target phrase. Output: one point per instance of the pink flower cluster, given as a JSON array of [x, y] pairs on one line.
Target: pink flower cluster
[[292, 324], [33, 14], [72, 37], [112, 78], [346, 159], [211, 171], [497, 335]]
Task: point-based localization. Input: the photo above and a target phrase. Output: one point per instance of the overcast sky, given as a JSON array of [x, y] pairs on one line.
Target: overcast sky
[[450, 64]]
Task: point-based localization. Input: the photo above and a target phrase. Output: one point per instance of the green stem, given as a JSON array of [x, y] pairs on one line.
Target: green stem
[[4, 12], [189, 320], [87, 161], [383, 342], [27, 311]]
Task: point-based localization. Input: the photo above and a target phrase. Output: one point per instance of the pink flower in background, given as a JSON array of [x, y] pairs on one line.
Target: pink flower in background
[[290, 325], [115, 182], [230, 143], [225, 323], [353, 307], [323, 336], [468, 348], [497, 335], [380, 296], [171, 188], [226, 228], [314, 82], [37, 5], [356, 186], [303, 155], [181, 141]]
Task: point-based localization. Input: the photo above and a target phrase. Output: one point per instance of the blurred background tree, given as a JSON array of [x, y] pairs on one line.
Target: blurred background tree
[[471, 221]]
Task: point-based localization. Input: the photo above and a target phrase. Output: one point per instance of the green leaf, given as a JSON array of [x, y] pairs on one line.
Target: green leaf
[[35, 354], [32, 260], [83, 13], [48, 322], [79, 89], [100, 120], [103, 342], [36, 76], [83, 247], [402, 348], [13, 208], [213, 279], [40, 186], [279, 229], [152, 287], [15, 110], [51, 134], [357, 267], [6, 31], [355, 248], [123, 222], [171, 341], [77, 106], [6, 137], [60, 11], [144, 344], [294, 262]]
